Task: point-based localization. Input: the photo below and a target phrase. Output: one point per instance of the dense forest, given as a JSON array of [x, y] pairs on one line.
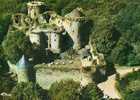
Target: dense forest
[[115, 30], [115, 25]]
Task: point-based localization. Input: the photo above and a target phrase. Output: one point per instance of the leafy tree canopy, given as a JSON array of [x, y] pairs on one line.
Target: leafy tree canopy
[[65, 90], [15, 45], [129, 86], [28, 91], [91, 92]]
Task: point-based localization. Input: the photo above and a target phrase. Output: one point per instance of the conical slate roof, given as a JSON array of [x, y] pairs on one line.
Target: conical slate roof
[[23, 63]]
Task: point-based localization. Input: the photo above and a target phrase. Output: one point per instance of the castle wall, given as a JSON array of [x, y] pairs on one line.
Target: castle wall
[[46, 77], [86, 62]]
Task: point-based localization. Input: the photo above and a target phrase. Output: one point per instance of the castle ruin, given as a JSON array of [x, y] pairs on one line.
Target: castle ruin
[[37, 25], [46, 29]]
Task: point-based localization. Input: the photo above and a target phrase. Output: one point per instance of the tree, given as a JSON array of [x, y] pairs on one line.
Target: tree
[[15, 45], [128, 23], [28, 91], [106, 39], [4, 25], [65, 90], [6, 84], [121, 51], [3, 64], [91, 92], [7, 8], [129, 86]]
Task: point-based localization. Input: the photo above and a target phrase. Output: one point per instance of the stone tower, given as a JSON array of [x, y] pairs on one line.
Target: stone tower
[[23, 68], [72, 26], [54, 39], [35, 8], [71, 23]]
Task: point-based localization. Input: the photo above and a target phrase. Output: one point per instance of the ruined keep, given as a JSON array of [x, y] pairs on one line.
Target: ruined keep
[[37, 25], [46, 30], [71, 23]]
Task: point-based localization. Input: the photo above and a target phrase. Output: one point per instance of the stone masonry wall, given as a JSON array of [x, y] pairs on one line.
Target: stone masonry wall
[[46, 77]]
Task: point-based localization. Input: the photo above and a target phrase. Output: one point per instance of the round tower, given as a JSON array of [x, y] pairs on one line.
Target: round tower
[[23, 68], [35, 8]]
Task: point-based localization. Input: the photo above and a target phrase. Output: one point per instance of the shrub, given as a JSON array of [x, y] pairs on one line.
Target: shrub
[[6, 84], [65, 90], [28, 91], [129, 86], [15, 45], [3, 64], [91, 92]]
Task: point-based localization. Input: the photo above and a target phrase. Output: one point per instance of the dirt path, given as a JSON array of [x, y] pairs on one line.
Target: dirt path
[[108, 87]]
